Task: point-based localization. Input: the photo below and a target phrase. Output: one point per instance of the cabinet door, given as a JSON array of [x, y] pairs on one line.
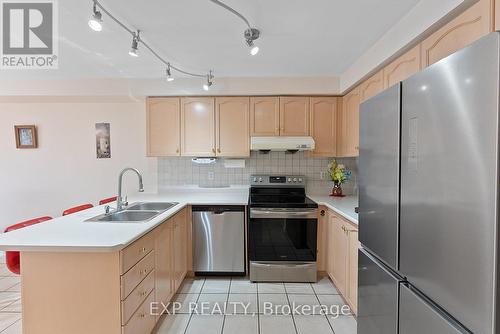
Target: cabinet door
[[403, 67], [164, 276], [354, 245], [232, 126], [349, 125], [340, 246], [294, 116], [180, 248], [371, 86], [197, 126], [265, 116], [322, 241], [323, 122], [163, 121], [330, 244], [471, 25]]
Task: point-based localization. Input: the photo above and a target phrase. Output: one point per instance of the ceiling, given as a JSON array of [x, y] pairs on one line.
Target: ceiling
[[315, 38]]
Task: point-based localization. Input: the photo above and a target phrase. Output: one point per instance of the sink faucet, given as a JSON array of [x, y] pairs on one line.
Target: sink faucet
[[119, 200]]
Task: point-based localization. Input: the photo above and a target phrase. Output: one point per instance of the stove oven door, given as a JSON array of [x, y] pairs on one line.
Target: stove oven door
[[282, 244]]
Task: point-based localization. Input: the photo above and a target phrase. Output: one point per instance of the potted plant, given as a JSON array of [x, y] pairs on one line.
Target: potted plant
[[339, 174]]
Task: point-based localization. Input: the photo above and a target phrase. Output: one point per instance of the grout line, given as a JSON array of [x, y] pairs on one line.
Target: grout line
[[326, 315], [293, 318], [15, 322], [227, 301], [197, 299]]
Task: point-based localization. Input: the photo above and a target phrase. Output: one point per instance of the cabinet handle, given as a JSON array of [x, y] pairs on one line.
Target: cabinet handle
[[141, 315], [213, 150], [357, 147], [177, 151], [143, 250], [142, 293], [218, 150], [322, 213]]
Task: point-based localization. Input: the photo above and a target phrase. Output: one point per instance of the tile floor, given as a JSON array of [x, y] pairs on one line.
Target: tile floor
[[10, 301], [262, 310], [252, 308]]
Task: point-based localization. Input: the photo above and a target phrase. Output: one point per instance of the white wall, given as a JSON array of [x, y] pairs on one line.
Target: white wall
[[63, 171]]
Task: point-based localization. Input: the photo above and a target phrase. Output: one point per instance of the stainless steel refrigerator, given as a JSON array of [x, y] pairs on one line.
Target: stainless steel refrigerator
[[428, 192]]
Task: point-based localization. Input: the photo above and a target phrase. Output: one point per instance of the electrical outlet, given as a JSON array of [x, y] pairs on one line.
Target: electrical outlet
[[322, 175], [211, 176]]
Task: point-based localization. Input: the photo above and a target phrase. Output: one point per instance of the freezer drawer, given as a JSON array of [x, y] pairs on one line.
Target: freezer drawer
[[218, 240], [449, 183], [417, 315], [378, 289], [379, 175]]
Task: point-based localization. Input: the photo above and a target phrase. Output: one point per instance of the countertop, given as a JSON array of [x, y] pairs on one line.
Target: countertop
[[73, 234], [344, 206]]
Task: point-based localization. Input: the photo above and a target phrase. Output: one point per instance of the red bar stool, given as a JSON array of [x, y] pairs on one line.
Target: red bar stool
[[107, 200], [13, 258], [77, 208]]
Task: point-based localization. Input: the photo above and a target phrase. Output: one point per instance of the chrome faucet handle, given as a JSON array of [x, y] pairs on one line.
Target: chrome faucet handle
[[125, 201], [107, 208]]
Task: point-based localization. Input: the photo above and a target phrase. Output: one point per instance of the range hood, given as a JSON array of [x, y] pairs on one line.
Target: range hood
[[282, 144]]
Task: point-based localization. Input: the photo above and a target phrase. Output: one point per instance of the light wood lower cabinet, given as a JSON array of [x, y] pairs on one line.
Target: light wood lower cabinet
[[471, 25], [341, 260], [107, 292]]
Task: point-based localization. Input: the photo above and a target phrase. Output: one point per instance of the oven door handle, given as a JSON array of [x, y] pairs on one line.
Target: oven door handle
[[284, 213]]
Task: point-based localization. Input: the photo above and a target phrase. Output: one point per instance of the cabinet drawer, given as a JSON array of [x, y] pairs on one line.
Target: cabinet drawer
[[142, 322], [135, 252], [136, 274], [130, 304]]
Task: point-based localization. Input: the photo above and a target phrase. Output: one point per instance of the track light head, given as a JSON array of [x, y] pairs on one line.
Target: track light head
[[209, 83], [169, 74], [135, 45], [252, 34], [95, 21]]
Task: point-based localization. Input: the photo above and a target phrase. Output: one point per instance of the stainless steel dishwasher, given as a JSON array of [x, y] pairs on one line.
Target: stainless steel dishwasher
[[218, 240]]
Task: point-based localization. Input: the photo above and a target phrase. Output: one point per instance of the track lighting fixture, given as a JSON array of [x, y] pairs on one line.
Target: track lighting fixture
[[169, 73], [208, 84], [135, 44], [95, 21], [251, 34]]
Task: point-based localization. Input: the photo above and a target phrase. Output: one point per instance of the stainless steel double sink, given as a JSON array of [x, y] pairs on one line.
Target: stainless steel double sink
[[140, 212]]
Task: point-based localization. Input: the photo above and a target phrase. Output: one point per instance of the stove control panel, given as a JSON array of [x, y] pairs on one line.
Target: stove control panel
[[278, 180]]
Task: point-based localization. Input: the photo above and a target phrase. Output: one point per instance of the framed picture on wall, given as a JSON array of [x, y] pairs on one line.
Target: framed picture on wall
[[26, 136]]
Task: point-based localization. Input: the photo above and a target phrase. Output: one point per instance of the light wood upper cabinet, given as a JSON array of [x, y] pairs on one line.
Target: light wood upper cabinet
[[265, 116], [348, 130], [232, 126], [163, 119], [471, 25], [197, 126], [294, 116], [323, 123], [403, 67], [372, 86]]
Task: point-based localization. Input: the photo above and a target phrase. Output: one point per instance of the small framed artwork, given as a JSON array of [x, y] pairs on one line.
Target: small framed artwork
[[103, 140], [26, 136]]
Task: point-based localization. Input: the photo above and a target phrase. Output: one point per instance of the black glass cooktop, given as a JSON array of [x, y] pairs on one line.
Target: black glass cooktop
[[280, 198]]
